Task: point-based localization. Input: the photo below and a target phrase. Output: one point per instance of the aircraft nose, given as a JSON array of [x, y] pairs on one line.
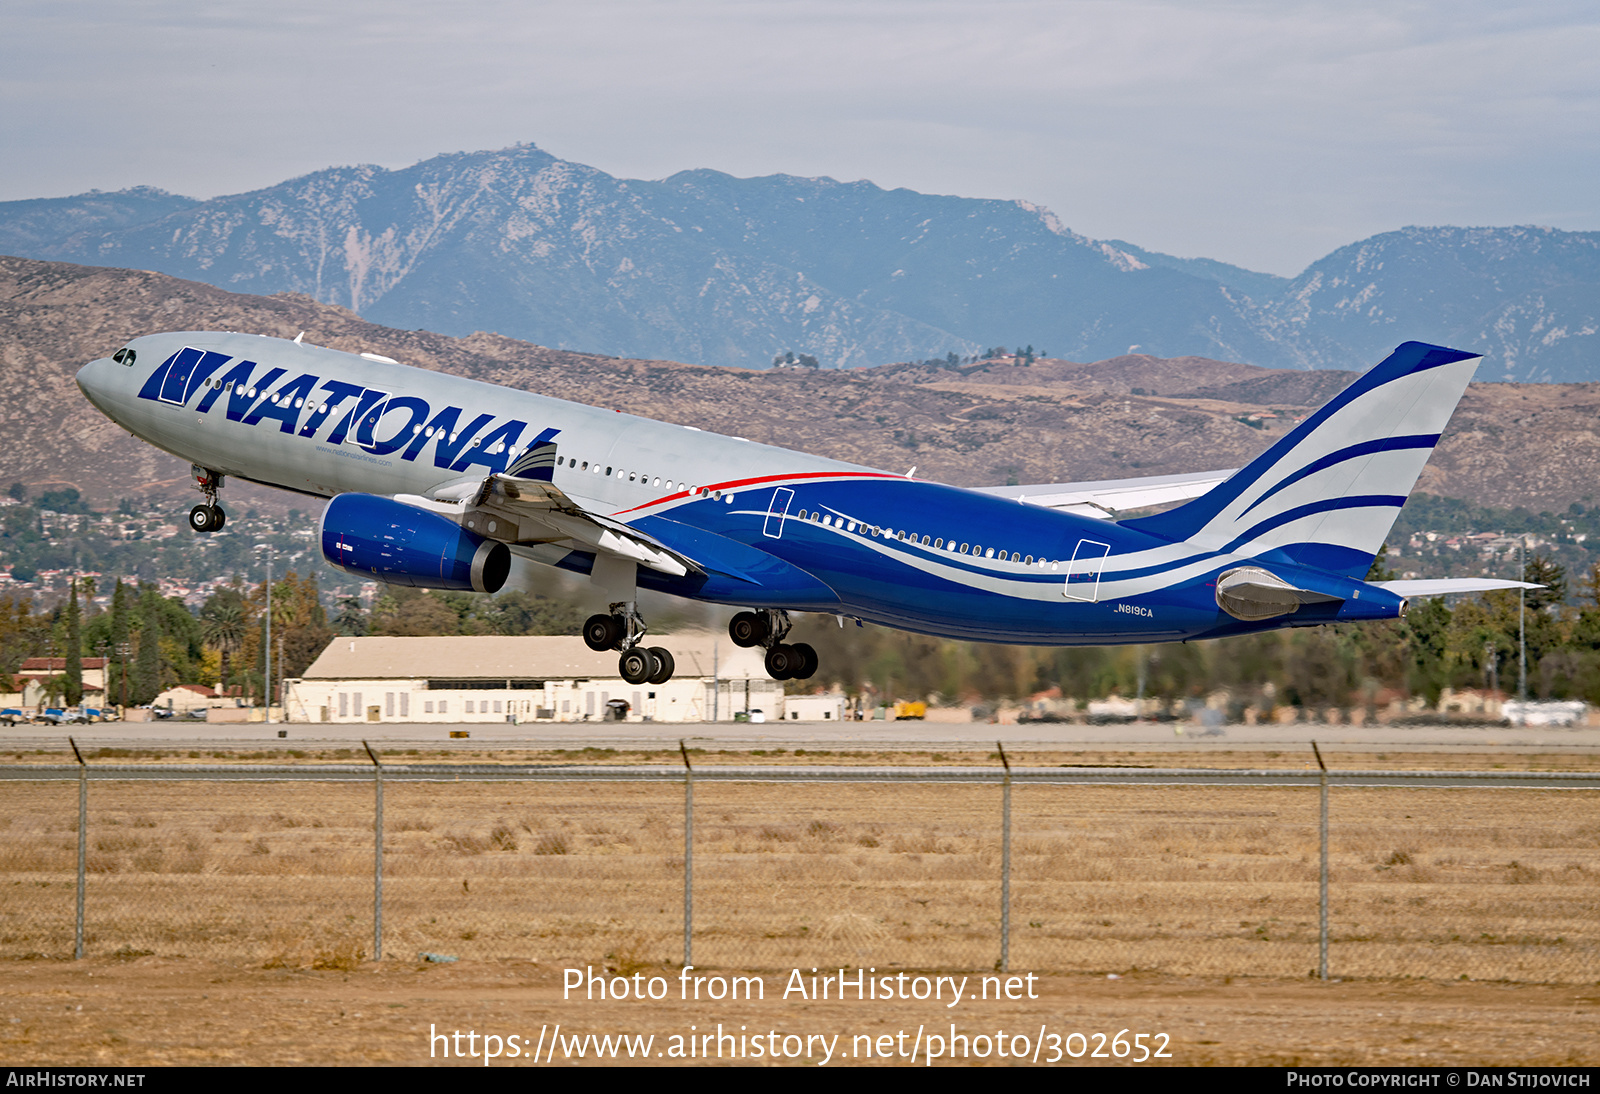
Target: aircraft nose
[[92, 380]]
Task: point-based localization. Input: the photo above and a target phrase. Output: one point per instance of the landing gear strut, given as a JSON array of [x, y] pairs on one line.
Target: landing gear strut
[[623, 629], [209, 517], [768, 628]]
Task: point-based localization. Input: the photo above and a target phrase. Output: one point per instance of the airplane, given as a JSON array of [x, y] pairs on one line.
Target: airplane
[[442, 482]]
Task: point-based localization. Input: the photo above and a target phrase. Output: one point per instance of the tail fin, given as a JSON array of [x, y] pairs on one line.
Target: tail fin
[[1328, 493]]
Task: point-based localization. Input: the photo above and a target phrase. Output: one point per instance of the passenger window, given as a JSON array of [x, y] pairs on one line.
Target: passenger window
[[963, 548], [938, 544], [1028, 561], [989, 553]]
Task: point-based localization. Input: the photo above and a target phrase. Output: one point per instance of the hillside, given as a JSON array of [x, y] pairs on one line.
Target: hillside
[[1535, 445]]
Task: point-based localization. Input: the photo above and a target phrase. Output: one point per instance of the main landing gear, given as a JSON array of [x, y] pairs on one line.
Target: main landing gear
[[623, 630], [208, 517], [768, 628]]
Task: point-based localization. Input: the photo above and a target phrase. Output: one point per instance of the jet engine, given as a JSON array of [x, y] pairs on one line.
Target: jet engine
[[386, 540]]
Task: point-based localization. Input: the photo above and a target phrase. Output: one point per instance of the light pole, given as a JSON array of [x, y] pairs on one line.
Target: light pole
[[1522, 625], [267, 643]]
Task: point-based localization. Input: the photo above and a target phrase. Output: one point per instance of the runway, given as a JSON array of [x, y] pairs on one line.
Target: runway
[[831, 736]]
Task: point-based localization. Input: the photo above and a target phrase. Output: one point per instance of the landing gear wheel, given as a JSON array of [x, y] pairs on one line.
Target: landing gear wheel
[[748, 629], [808, 661], [204, 518], [602, 632], [637, 665], [222, 517], [783, 662], [665, 665]]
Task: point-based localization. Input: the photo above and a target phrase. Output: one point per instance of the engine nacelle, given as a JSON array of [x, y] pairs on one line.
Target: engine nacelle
[[386, 540]]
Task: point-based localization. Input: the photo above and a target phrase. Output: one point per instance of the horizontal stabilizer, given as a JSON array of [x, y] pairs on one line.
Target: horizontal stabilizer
[[1445, 585], [1105, 499]]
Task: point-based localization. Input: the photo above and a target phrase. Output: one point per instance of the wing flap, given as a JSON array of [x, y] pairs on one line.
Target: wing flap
[[529, 511]]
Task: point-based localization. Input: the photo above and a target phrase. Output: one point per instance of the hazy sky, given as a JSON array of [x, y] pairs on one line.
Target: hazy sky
[[1264, 134]]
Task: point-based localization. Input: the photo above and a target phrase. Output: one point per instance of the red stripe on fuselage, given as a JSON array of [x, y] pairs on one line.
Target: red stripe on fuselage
[[734, 484]]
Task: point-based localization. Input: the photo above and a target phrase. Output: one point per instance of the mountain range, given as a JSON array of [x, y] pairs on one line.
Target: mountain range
[[706, 268]]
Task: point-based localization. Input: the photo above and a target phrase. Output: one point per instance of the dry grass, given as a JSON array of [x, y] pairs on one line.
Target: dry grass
[[1496, 884]]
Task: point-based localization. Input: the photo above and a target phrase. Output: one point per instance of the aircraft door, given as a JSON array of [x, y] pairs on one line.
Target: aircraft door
[[1083, 572], [175, 386], [781, 497]]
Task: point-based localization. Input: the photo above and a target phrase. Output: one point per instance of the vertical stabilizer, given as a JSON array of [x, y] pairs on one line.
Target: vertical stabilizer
[[1327, 494]]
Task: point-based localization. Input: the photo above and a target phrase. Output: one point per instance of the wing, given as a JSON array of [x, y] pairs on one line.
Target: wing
[[1104, 500], [523, 507]]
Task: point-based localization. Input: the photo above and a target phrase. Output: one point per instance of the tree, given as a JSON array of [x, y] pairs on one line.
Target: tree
[[18, 491], [1589, 587], [74, 643], [120, 649], [1541, 570], [224, 622], [1379, 570], [147, 672], [350, 619], [406, 611]]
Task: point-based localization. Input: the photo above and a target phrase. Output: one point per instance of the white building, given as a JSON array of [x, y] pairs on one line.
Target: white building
[[493, 678], [814, 708]]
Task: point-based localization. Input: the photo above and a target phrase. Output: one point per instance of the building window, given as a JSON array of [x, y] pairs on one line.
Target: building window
[[444, 707], [344, 704], [427, 708], [405, 704], [469, 706]]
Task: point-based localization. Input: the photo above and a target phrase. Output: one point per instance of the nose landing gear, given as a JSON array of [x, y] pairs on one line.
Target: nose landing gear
[[768, 628], [208, 517]]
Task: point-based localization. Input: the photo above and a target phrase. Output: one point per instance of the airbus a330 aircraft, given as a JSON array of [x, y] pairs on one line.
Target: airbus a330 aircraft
[[442, 482]]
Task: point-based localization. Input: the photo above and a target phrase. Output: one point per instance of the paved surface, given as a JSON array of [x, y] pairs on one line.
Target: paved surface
[[846, 736]]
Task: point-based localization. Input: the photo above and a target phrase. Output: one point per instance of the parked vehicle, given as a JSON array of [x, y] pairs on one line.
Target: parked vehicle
[[11, 716]]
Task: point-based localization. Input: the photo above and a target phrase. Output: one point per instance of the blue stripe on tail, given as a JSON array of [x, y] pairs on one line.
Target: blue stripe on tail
[[1408, 359]]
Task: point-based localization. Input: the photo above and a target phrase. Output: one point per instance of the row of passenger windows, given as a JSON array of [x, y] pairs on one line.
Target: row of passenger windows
[[975, 549], [642, 478]]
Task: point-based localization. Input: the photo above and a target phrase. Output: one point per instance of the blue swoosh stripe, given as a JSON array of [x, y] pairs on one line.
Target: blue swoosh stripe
[[1327, 505], [1408, 359], [1355, 451]]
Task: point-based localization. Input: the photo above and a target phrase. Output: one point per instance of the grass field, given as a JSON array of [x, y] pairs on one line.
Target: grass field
[[232, 922], [1439, 884]]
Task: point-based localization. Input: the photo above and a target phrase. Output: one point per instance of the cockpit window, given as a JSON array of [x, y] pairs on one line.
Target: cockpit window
[[124, 357]]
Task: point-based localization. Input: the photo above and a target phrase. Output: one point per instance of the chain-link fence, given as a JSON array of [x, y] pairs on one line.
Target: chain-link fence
[[1490, 875]]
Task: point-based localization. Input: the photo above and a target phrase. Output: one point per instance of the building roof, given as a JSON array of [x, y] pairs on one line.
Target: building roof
[[493, 657], [58, 664]]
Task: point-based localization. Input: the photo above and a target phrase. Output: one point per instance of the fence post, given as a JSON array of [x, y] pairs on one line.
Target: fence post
[[1322, 891], [1005, 863], [377, 855], [688, 857], [83, 845]]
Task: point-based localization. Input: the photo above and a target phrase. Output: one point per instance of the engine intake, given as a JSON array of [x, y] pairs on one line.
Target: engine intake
[[398, 544]]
